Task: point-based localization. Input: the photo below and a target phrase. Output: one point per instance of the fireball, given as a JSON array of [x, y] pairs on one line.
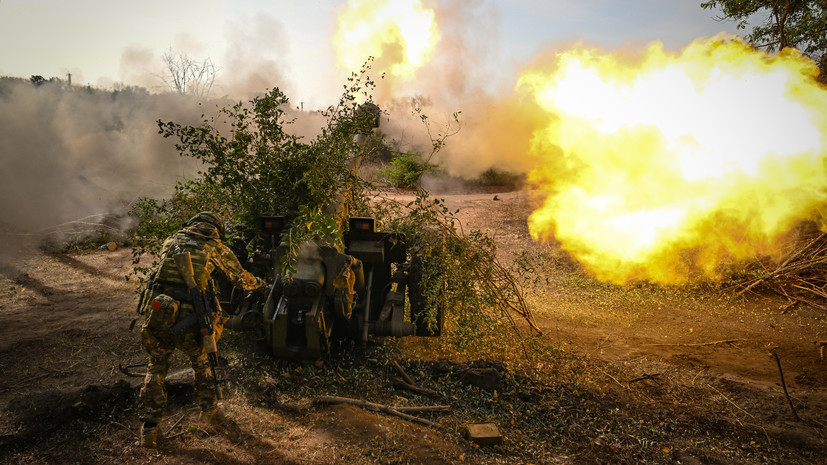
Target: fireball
[[399, 34], [666, 165]]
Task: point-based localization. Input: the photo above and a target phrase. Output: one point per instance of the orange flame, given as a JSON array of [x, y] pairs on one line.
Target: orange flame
[[399, 34], [665, 164]]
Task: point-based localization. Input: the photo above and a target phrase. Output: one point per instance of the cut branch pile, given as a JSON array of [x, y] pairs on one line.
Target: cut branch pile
[[801, 277]]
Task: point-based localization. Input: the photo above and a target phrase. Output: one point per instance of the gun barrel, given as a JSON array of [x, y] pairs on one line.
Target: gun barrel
[[354, 161], [367, 116]]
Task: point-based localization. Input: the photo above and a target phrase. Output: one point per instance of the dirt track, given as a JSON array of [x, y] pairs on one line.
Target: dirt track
[[65, 325]]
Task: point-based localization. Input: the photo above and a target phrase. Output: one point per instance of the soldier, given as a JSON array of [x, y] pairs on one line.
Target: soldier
[[168, 301]]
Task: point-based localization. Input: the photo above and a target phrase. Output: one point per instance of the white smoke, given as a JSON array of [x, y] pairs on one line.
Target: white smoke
[[72, 156], [494, 127]]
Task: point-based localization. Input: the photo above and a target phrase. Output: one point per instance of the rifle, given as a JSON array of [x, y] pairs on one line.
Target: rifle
[[203, 315]]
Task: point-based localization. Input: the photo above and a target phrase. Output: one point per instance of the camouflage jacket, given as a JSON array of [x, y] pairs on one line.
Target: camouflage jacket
[[208, 254]]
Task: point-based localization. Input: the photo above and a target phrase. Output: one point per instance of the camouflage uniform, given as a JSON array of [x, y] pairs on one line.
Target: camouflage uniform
[[201, 239]]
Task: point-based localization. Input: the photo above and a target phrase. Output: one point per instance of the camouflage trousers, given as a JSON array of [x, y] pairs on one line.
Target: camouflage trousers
[[160, 344]]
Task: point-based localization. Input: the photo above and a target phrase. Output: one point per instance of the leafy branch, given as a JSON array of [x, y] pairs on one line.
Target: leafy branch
[[461, 271], [256, 167]]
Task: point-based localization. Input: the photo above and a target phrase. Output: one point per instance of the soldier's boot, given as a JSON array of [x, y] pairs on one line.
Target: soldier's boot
[[149, 435]]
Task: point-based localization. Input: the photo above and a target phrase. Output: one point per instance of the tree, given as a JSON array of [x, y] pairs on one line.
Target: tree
[[188, 76], [256, 166], [788, 23]]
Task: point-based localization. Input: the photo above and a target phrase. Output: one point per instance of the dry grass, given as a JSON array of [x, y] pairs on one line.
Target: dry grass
[[800, 277]]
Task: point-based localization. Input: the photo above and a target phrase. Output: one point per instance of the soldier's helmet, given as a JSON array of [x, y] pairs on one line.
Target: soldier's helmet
[[211, 218]]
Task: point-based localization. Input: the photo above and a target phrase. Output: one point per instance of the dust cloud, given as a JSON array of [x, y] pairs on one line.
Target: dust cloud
[[494, 126], [74, 157], [253, 59]]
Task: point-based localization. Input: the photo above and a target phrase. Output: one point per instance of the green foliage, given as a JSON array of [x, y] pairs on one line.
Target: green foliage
[[406, 170], [495, 177], [460, 273], [309, 224], [257, 168], [798, 24], [254, 166], [379, 149]]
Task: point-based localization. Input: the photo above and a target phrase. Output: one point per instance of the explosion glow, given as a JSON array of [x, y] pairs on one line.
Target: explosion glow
[[399, 34], [663, 165]]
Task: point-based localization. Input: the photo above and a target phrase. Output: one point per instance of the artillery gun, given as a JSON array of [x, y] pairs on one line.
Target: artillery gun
[[371, 288]]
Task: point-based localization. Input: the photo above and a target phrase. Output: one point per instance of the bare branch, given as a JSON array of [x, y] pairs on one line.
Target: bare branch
[[187, 76]]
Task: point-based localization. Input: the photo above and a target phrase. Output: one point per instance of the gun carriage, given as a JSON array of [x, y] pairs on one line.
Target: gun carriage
[[371, 288]]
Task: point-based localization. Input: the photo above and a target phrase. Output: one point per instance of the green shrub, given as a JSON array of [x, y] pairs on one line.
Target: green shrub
[[406, 170], [257, 167], [495, 177]]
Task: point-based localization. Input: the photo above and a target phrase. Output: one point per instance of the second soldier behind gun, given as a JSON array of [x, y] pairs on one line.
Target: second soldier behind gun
[[182, 313]]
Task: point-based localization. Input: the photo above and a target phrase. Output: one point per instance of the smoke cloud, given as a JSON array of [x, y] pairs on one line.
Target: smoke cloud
[[495, 125], [71, 155], [74, 156], [253, 59]]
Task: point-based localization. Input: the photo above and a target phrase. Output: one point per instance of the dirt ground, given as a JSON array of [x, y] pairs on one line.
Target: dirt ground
[[675, 325], [703, 353]]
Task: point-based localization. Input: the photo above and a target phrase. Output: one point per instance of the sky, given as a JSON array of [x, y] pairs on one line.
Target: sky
[[288, 44]]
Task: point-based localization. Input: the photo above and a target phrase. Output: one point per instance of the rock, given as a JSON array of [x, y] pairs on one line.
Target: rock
[[488, 379], [482, 374], [483, 434]]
